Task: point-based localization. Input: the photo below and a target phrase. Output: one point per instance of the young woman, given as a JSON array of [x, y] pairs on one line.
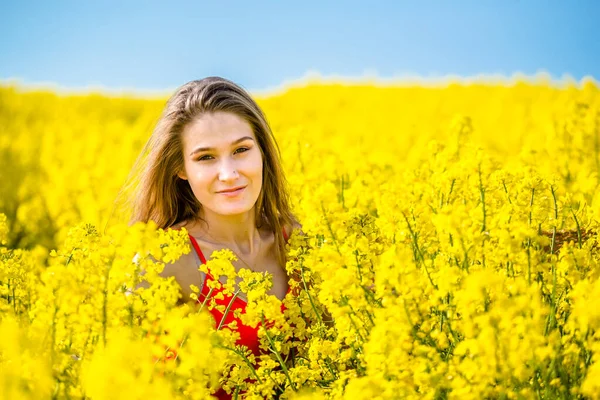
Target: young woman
[[212, 165]]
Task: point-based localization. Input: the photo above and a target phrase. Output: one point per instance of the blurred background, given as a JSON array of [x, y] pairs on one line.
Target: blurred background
[[59, 166], [155, 46]]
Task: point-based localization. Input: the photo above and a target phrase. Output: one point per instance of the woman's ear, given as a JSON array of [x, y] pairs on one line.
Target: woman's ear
[[182, 175]]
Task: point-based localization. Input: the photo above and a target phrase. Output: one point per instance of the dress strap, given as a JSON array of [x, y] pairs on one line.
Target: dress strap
[[197, 248]]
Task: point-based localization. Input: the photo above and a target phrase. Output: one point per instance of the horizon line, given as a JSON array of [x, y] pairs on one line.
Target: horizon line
[[314, 77]]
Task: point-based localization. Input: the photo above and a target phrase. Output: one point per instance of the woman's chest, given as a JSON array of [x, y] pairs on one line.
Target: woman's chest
[[271, 267], [263, 263]]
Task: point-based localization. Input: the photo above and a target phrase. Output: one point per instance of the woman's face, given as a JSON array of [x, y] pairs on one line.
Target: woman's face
[[221, 154]]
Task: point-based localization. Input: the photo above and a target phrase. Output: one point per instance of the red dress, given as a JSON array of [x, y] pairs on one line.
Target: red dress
[[248, 334]]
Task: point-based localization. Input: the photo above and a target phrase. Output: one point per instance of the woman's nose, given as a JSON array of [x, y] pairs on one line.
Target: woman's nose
[[227, 170]]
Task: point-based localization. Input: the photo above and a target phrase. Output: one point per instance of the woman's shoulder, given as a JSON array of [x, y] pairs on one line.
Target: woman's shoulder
[[177, 226], [190, 227], [291, 228], [186, 259]]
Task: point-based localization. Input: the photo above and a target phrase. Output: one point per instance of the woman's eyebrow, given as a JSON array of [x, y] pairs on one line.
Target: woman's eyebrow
[[200, 149]]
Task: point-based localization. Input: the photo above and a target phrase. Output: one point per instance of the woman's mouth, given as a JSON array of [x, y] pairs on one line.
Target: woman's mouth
[[232, 192]]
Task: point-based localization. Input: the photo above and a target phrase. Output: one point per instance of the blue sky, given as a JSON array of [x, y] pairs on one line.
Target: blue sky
[[158, 45]]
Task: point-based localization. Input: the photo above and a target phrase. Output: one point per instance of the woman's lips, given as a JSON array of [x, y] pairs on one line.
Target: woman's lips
[[234, 193]]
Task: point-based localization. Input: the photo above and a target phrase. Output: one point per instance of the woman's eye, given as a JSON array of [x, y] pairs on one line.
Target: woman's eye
[[203, 158], [241, 150]]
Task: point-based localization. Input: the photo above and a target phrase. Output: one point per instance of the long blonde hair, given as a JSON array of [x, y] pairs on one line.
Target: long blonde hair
[[160, 195]]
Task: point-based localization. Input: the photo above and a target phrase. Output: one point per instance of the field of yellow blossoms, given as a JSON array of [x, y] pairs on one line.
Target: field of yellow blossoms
[[450, 250]]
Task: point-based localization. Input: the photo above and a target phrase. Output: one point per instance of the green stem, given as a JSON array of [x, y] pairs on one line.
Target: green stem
[[277, 355], [197, 312], [206, 299], [552, 317], [310, 299], [335, 241], [531, 205], [578, 228], [53, 330], [14, 300], [369, 294], [235, 294], [245, 359], [312, 304], [482, 196], [529, 261], [342, 192], [330, 367], [105, 306], [451, 189], [300, 158], [353, 313], [270, 375], [506, 191], [418, 254], [358, 269], [466, 251], [555, 203]]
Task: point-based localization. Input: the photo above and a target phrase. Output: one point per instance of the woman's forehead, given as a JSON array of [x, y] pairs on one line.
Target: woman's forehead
[[216, 129]]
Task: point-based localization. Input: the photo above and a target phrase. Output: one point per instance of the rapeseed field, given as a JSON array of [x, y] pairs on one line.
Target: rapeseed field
[[450, 250]]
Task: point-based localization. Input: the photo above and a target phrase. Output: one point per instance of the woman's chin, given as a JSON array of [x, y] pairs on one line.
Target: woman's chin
[[233, 211]]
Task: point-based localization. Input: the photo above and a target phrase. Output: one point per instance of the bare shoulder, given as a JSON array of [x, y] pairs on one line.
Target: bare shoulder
[[179, 225], [172, 268], [183, 263], [296, 226]]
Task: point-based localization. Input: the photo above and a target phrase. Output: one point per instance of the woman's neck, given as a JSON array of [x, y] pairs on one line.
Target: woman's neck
[[236, 232]]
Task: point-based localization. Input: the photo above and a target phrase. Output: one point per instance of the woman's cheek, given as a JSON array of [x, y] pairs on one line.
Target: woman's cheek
[[257, 163]]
